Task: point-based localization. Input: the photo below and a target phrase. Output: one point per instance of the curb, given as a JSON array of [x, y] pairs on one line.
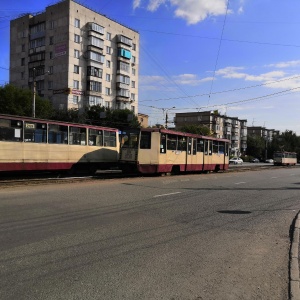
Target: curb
[[294, 262]]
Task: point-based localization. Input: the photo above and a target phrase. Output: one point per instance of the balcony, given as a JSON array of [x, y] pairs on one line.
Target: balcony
[[124, 40]]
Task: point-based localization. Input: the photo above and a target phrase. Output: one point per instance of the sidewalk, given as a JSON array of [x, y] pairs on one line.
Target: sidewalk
[[294, 262]]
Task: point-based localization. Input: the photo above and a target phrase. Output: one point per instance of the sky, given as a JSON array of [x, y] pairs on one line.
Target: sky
[[240, 57]]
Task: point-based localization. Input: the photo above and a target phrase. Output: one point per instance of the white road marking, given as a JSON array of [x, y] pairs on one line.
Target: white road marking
[[240, 182], [166, 194]]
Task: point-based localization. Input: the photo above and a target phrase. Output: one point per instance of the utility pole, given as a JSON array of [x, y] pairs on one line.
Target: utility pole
[[34, 92]]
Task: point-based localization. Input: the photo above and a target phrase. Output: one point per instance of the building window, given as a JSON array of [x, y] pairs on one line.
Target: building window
[[51, 40], [132, 96], [77, 23], [108, 36], [108, 50], [96, 56], [94, 100], [50, 70], [76, 38], [107, 104], [108, 77], [23, 47], [133, 109], [133, 46], [93, 71], [50, 55], [125, 40], [123, 79], [37, 43], [133, 71], [50, 85], [124, 53], [75, 99], [108, 63], [75, 84], [22, 61], [133, 84], [97, 28], [76, 53], [22, 75], [96, 42], [133, 60], [107, 91], [123, 93], [51, 25], [76, 69], [122, 66], [94, 86]]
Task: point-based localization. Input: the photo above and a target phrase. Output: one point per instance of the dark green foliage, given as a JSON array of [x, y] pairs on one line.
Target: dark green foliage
[[17, 101]]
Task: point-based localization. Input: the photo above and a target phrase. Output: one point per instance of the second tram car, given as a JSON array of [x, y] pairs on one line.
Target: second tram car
[[30, 144], [151, 151], [285, 158]]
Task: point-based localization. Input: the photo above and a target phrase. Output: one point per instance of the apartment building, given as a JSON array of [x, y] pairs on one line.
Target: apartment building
[[221, 126], [267, 134], [75, 57]]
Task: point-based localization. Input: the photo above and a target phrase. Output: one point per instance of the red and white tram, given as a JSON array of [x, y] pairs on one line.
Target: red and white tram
[[30, 144], [151, 151]]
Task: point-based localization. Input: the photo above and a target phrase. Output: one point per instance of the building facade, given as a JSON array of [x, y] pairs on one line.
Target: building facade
[[75, 57], [220, 126]]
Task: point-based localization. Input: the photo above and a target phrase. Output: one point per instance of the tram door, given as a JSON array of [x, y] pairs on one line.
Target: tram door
[[191, 154]]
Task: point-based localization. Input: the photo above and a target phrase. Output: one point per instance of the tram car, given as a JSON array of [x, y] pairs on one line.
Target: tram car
[[159, 151], [285, 158], [30, 144]]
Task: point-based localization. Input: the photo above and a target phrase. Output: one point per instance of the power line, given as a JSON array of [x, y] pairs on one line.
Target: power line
[[218, 54], [225, 91], [240, 101]]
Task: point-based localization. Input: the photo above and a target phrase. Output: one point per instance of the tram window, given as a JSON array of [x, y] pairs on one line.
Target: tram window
[[194, 146], [210, 147], [206, 145], [171, 142], [215, 148], [57, 134], [35, 132], [221, 148], [181, 143], [163, 141], [200, 145], [77, 136], [130, 140], [109, 138], [145, 142], [95, 137], [10, 130]]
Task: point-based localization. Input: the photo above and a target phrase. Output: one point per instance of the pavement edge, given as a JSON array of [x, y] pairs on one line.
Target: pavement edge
[[294, 262]]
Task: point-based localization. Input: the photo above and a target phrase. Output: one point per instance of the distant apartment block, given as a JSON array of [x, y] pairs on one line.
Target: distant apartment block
[[76, 56], [267, 134], [220, 126]]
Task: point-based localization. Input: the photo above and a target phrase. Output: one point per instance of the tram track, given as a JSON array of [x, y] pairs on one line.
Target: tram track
[[49, 178]]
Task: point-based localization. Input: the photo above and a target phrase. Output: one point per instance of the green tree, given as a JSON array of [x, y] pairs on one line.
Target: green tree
[[17, 101], [256, 146]]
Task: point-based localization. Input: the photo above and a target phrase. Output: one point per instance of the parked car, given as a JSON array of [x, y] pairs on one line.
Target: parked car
[[254, 160], [269, 161], [235, 160]]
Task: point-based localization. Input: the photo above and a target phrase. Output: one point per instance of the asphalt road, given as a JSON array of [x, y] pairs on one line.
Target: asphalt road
[[216, 236]]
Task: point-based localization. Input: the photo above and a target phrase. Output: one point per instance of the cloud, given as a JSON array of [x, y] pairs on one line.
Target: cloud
[[193, 11], [234, 73], [136, 4], [276, 79], [190, 79], [286, 64]]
